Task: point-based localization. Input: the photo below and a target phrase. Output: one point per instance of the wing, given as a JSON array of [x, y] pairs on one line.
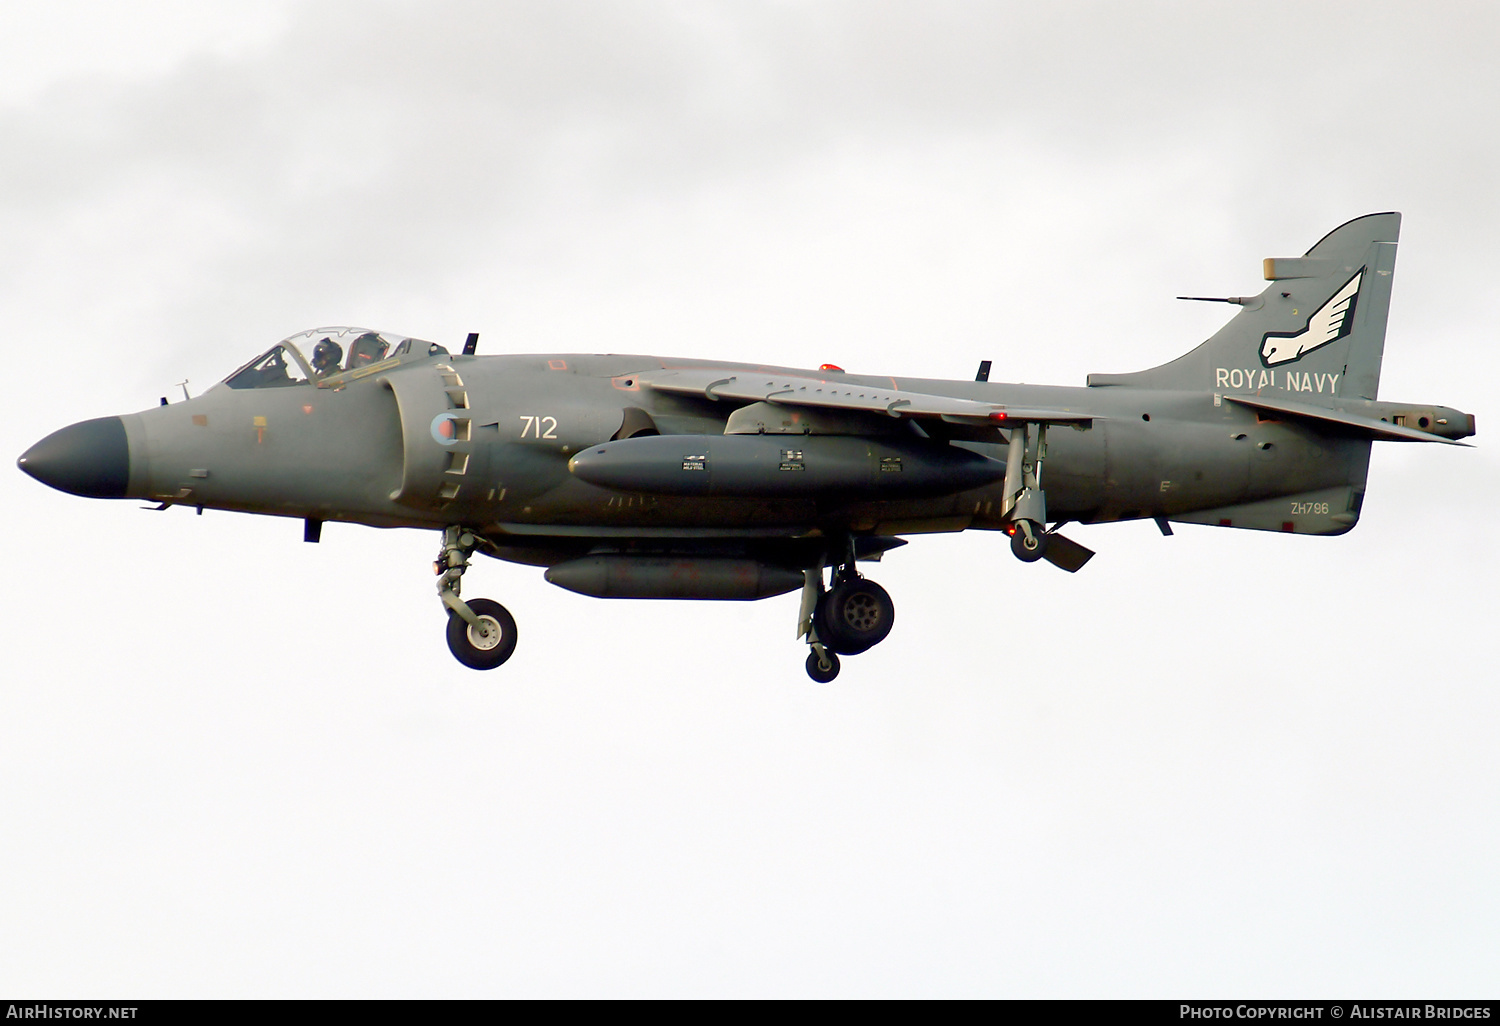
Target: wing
[[795, 390]]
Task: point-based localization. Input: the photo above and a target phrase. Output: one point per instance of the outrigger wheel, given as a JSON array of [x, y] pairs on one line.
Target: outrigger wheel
[[1028, 541], [855, 615], [489, 643]]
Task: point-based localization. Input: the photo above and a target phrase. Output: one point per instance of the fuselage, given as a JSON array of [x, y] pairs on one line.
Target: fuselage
[[374, 450]]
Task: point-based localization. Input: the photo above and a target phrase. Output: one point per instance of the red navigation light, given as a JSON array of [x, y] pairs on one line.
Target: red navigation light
[[831, 366], [997, 416]]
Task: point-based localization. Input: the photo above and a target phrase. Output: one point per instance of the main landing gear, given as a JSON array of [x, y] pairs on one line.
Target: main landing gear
[[481, 633], [822, 666], [851, 617]]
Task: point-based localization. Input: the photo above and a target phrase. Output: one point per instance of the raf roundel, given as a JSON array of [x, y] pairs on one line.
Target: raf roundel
[[443, 430]]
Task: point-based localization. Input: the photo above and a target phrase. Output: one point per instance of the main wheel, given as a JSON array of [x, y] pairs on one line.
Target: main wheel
[[855, 615], [815, 668], [482, 649], [1029, 546]]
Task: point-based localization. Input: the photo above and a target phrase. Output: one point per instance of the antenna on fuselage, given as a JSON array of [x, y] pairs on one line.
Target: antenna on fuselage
[[471, 343], [984, 371]]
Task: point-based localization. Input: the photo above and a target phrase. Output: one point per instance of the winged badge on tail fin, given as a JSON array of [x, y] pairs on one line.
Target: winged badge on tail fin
[[1331, 322]]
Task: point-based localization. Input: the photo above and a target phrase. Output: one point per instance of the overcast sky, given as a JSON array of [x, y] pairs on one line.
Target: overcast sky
[[1222, 763]]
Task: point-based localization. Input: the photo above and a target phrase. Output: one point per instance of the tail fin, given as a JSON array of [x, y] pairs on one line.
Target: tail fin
[[1315, 334]]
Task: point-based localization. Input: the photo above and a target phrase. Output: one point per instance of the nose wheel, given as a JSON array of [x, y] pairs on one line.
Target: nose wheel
[[482, 633], [487, 644]]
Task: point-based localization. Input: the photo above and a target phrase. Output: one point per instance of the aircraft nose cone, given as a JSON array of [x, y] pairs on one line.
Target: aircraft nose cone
[[90, 458]]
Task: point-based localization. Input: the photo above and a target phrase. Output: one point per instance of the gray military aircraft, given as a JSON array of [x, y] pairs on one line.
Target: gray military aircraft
[[645, 477]]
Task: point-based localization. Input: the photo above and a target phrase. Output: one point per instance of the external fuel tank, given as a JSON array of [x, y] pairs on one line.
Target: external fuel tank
[[778, 466], [672, 577]]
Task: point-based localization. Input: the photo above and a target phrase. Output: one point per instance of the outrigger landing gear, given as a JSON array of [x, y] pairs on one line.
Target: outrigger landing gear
[[1025, 502], [849, 618], [481, 633]]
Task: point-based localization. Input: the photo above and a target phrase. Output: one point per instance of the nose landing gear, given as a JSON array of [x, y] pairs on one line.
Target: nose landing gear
[[481, 633]]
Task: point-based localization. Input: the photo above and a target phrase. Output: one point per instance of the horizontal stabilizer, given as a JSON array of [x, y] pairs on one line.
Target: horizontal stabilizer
[[1369, 427], [1066, 553]]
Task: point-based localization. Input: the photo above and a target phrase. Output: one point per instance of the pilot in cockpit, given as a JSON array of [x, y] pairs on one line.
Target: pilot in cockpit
[[326, 356], [367, 349]]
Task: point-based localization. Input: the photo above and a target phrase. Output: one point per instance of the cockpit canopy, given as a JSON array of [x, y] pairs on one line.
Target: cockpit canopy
[[326, 356]]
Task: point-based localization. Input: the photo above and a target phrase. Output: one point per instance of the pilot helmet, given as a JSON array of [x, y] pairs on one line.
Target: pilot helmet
[[326, 354]]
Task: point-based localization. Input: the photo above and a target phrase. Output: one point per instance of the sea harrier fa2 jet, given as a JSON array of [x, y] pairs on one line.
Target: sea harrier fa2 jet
[[645, 477]]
